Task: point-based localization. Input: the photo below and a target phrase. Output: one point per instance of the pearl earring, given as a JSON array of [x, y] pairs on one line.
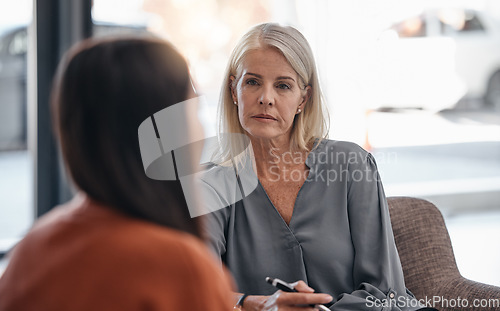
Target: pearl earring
[[235, 103], [299, 110]]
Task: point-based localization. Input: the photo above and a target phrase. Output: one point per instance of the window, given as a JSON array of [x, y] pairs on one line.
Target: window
[[16, 164], [411, 28], [19, 43], [454, 21], [204, 31]]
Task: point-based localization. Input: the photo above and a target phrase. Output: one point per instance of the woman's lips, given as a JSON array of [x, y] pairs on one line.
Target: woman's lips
[[264, 118]]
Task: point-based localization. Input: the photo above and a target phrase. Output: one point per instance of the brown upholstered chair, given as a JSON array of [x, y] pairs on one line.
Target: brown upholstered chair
[[427, 258]]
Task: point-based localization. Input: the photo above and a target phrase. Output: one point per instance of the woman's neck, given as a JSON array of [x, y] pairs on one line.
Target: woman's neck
[[272, 156]]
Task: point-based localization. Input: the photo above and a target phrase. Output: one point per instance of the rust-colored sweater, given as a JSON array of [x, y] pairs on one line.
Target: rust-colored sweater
[[84, 256]]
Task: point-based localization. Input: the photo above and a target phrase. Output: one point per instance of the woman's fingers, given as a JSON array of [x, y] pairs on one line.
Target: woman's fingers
[[301, 286], [271, 302], [302, 299]]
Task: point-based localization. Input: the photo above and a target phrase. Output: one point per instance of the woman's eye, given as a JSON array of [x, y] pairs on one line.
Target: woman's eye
[[283, 86], [252, 82]]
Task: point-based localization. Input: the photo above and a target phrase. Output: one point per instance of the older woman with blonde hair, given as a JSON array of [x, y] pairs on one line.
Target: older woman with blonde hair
[[316, 211]]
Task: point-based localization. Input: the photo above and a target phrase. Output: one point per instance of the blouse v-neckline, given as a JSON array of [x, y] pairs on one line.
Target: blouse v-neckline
[[309, 163]]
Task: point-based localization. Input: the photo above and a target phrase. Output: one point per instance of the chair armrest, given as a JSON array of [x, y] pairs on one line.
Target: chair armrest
[[487, 297]]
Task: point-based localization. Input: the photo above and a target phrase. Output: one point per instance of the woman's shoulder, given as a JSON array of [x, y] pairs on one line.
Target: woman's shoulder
[[114, 232], [223, 180], [214, 171], [90, 225], [108, 250], [162, 243], [100, 235], [340, 146], [166, 258], [338, 152]]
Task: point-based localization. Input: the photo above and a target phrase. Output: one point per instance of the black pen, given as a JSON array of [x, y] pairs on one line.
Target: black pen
[[287, 287]]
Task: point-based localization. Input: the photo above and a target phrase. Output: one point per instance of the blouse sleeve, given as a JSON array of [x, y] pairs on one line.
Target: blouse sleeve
[[377, 273], [215, 223]]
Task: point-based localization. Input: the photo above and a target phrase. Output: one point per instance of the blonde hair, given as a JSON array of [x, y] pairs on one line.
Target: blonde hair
[[312, 123]]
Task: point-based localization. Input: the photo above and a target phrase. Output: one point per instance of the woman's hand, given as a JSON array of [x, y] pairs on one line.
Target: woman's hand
[[280, 300]]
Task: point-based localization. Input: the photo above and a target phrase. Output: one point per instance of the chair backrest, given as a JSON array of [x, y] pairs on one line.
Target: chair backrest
[[427, 258], [423, 245]]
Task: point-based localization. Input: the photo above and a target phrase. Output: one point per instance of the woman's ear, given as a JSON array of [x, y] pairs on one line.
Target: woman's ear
[[232, 87], [306, 96]]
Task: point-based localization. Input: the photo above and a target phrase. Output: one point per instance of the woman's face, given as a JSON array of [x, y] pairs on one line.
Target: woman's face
[[268, 94]]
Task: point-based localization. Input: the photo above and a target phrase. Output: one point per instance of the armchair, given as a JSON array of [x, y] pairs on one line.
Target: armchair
[[427, 257]]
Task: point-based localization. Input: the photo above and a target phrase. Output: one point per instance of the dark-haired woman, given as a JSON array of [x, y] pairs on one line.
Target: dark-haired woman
[[125, 242]]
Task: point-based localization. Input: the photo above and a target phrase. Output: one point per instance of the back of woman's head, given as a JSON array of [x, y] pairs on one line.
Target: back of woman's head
[[103, 91]]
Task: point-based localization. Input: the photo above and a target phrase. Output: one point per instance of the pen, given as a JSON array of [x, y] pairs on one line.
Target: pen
[[287, 287]]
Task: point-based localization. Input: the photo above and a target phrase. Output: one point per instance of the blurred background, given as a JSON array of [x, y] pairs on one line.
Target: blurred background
[[417, 83]]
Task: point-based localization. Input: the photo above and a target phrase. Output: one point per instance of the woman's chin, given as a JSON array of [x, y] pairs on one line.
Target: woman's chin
[[264, 131], [264, 135]]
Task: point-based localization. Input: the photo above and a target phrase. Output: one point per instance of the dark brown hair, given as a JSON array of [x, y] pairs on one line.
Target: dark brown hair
[[104, 89]]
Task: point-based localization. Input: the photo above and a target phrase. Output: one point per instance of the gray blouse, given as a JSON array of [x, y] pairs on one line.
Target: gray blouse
[[339, 240]]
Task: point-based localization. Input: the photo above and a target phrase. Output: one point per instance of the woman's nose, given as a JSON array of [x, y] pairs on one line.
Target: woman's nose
[[267, 96]]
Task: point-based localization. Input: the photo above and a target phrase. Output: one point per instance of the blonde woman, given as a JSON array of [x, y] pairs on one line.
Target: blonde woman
[[318, 214]]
